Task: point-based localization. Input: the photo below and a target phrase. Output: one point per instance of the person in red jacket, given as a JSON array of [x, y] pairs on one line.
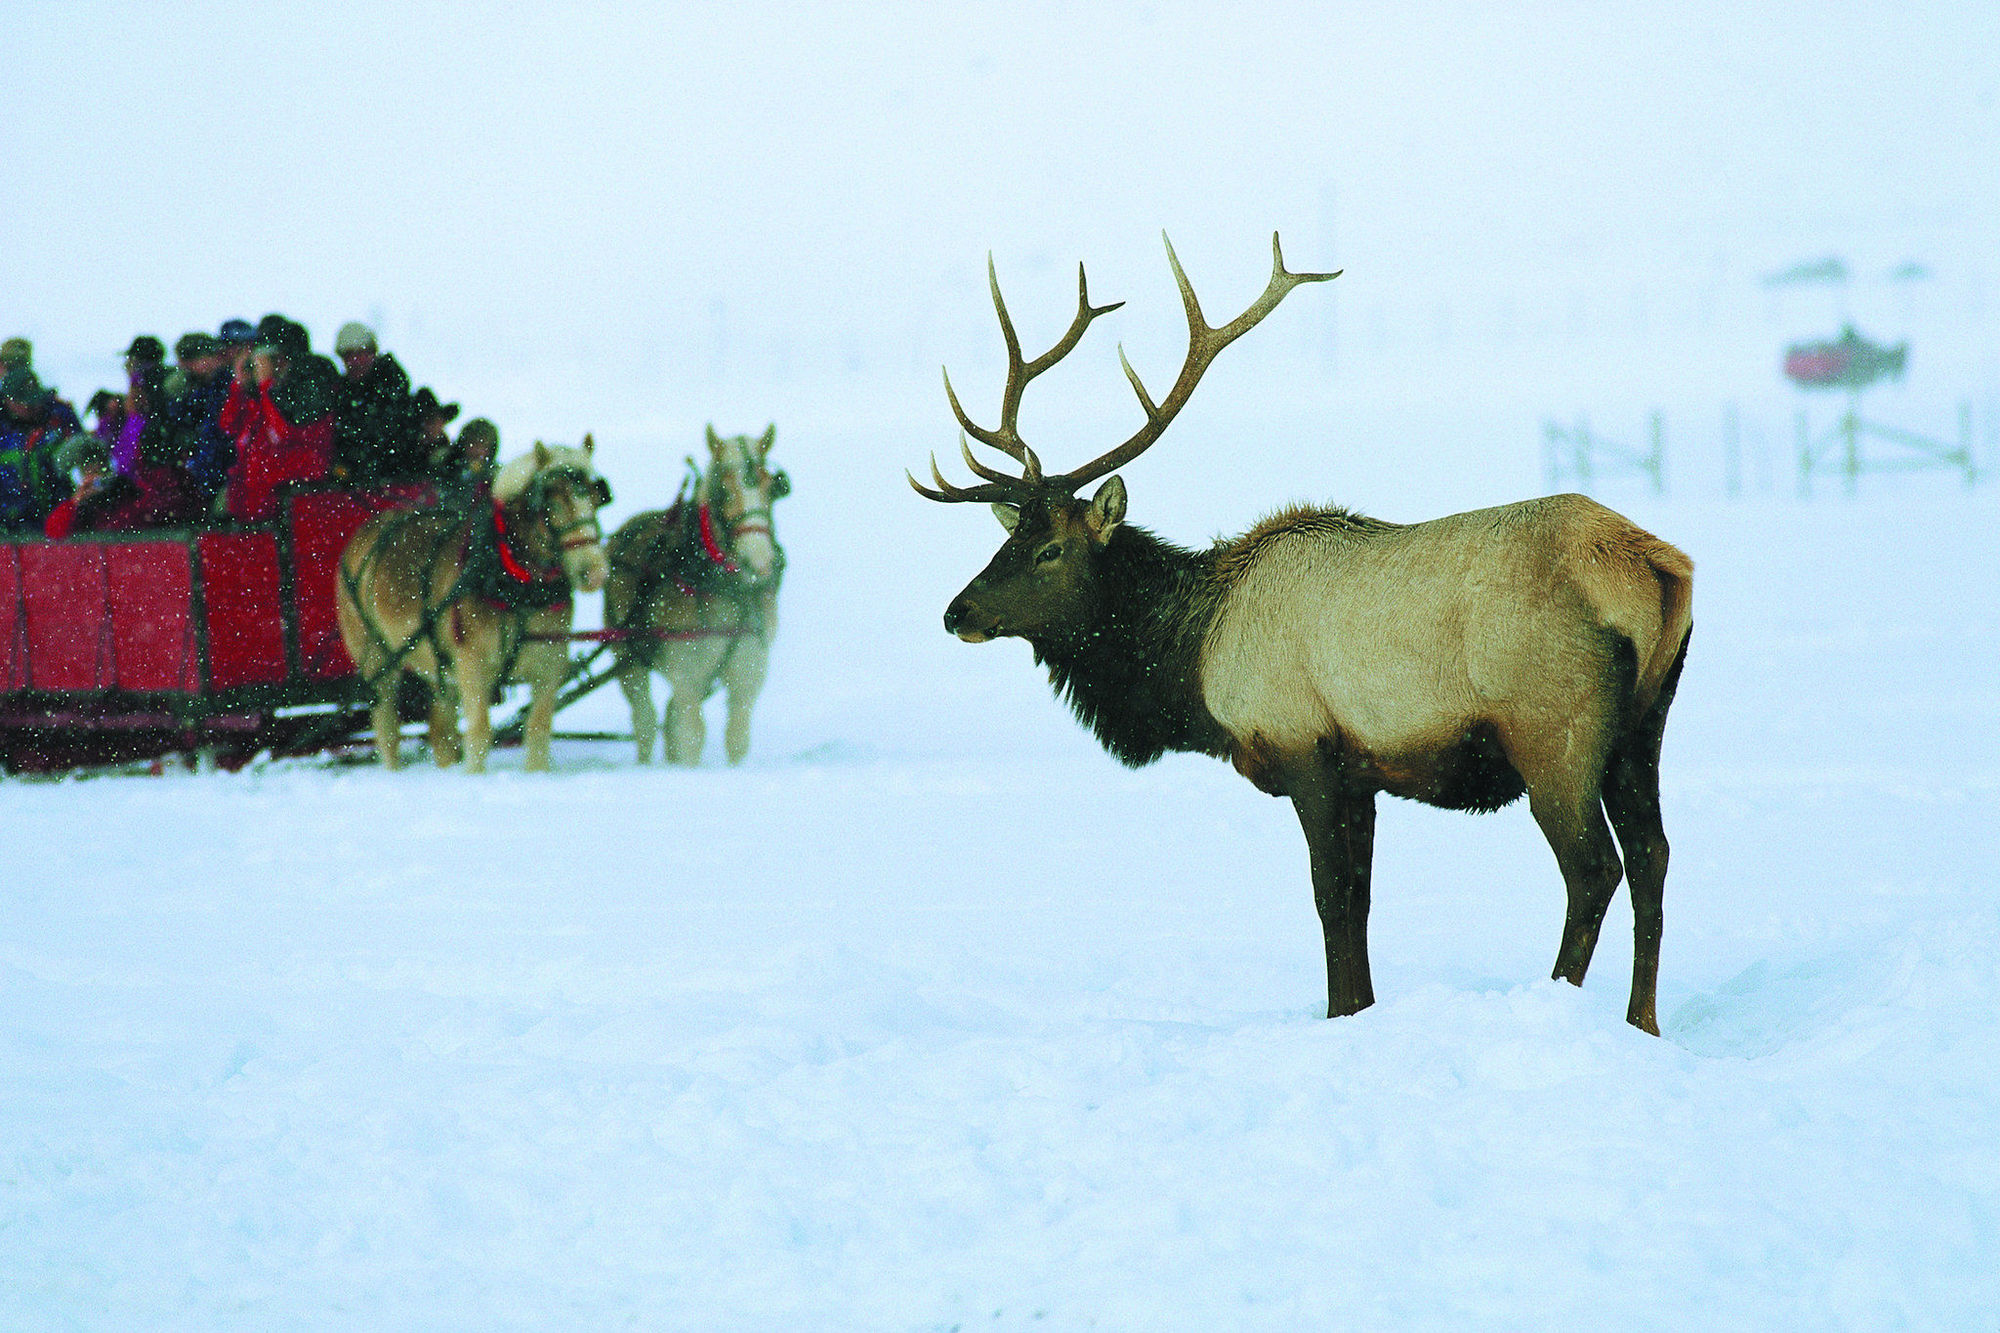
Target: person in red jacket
[[280, 412]]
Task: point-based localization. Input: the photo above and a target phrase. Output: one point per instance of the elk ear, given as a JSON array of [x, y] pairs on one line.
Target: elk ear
[[1009, 516], [589, 445], [1107, 510], [541, 456], [714, 440], [770, 438]]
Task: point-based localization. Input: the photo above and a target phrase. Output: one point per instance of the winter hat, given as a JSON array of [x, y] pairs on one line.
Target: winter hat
[[22, 386], [146, 350], [191, 345], [354, 336], [427, 405], [83, 451], [237, 332], [479, 431], [16, 352], [284, 338]]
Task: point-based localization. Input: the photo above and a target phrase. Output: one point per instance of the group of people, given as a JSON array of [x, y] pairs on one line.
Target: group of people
[[214, 435]]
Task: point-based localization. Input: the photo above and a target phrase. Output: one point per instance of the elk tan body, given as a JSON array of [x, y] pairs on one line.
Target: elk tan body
[[1532, 648], [700, 621], [404, 606], [1402, 640]]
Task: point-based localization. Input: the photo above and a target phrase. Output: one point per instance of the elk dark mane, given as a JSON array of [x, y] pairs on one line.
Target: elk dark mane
[[1132, 670], [1236, 554]]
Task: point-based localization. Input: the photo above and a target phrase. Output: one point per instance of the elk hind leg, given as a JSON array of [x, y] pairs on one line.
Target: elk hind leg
[[1566, 807], [1339, 824], [1632, 799]]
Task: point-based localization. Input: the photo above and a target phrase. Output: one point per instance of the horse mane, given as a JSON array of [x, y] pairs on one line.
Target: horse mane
[[513, 477]]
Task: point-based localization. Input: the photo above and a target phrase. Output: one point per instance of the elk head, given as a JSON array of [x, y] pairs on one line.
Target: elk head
[[1038, 585]]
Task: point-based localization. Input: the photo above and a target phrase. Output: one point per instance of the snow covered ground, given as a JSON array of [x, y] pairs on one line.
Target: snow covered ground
[[932, 1016]]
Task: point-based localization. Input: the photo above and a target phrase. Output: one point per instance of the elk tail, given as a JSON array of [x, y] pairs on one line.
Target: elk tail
[[1675, 573]]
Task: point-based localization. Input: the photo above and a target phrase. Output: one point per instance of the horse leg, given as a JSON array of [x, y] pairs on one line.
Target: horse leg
[[541, 723], [635, 678], [475, 697], [445, 750], [690, 669], [686, 731], [388, 726], [746, 681]]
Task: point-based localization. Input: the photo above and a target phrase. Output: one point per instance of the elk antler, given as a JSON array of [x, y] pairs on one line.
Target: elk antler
[[1203, 345], [1007, 437]]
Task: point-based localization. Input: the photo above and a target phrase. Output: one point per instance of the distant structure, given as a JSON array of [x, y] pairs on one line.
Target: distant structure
[[1847, 362], [1851, 363]]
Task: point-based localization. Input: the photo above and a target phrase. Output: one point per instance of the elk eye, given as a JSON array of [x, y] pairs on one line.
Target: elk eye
[[1049, 554]]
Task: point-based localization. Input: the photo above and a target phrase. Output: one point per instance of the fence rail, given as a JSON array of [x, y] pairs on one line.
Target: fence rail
[[1577, 455]]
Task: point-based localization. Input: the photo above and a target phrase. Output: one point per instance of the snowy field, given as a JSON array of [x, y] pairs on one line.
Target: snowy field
[[933, 1017]]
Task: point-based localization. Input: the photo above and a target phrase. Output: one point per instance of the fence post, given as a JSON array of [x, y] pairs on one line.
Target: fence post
[[1850, 425], [1805, 455], [1965, 442]]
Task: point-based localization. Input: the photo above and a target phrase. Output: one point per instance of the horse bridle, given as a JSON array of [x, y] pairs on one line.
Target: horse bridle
[[578, 479], [748, 521]]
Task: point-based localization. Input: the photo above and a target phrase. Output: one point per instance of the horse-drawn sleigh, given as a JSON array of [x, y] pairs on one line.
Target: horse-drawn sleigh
[[222, 644]]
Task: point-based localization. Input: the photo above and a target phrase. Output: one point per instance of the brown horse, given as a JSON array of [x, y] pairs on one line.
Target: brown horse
[[469, 599], [695, 588]]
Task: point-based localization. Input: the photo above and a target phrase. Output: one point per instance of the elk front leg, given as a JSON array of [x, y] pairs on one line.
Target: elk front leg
[[1339, 824]]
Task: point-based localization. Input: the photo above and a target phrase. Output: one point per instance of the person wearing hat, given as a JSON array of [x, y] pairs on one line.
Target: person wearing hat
[[194, 413], [146, 350], [440, 454], [147, 488], [16, 354], [375, 429], [32, 420], [280, 413]]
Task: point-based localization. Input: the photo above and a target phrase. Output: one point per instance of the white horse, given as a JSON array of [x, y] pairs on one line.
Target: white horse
[[694, 588], [468, 599]]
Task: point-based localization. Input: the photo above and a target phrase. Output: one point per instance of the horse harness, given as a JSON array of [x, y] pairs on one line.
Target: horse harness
[[490, 568]]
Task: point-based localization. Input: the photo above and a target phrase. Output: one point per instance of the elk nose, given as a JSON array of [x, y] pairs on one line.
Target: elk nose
[[954, 616]]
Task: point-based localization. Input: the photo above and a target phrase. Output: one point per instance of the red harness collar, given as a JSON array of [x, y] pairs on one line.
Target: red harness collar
[[715, 553], [509, 561]]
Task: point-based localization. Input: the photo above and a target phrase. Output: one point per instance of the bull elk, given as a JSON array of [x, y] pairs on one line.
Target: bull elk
[[1531, 648]]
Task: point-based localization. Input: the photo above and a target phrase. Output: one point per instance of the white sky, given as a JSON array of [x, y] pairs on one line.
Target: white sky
[[670, 193]]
